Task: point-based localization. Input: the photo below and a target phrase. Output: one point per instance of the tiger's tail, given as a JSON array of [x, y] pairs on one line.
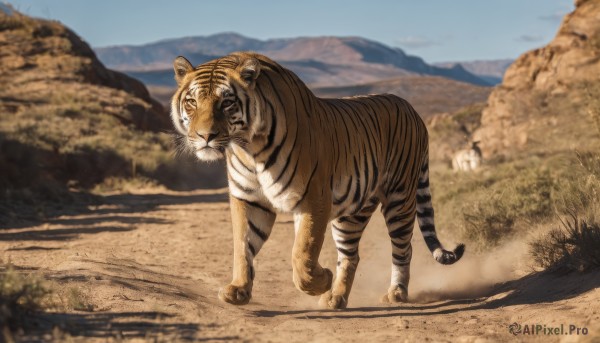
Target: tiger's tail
[[426, 222]]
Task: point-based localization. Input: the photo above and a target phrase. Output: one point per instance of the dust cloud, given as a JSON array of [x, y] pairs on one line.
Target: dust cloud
[[471, 277]]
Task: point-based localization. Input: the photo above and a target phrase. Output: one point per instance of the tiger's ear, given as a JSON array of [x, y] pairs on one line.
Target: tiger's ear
[[249, 70], [181, 66]]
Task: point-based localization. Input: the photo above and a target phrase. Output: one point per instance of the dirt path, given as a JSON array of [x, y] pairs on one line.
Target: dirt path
[[149, 266]]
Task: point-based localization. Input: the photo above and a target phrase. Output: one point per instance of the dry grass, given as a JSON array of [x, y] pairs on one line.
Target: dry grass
[[20, 296], [494, 204], [68, 125], [575, 246]]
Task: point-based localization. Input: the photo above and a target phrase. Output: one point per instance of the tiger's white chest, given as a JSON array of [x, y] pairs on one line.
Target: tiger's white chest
[[282, 198], [252, 182]]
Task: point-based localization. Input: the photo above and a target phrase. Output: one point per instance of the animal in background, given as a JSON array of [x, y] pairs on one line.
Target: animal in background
[[467, 159]]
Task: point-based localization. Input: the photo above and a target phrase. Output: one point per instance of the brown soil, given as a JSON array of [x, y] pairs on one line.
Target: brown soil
[[148, 266]]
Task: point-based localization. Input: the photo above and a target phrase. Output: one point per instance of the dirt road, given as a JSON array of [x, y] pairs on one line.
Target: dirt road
[[148, 267]]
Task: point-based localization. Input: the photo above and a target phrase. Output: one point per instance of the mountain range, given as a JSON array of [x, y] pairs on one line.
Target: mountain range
[[491, 71], [319, 61]]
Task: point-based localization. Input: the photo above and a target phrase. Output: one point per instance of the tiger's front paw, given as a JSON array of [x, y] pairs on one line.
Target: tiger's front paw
[[332, 301], [235, 295], [395, 294]]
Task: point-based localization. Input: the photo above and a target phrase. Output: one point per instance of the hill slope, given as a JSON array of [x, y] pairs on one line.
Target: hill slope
[[331, 56], [546, 94], [67, 122]]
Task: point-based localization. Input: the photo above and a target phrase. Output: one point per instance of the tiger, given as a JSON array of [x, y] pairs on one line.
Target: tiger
[[321, 160]]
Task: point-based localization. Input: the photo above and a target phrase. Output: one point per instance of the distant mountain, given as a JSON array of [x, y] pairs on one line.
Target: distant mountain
[[491, 71], [430, 95], [319, 61]]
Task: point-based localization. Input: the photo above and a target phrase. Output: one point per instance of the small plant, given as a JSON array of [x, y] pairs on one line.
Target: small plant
[[79, 301], [575, 246], [20, 296]]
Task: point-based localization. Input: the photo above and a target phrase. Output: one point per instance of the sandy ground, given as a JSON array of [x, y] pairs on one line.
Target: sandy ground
[[149, 266]]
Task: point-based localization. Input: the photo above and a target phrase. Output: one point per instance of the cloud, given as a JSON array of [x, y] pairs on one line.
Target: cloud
[[416, 42], [530, 38]]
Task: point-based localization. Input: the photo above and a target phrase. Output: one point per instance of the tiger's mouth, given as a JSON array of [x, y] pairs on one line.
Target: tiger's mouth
[[209, 153]]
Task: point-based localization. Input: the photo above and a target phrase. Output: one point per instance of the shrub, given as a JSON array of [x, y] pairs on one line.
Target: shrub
[[575, 246], [503, 200], [20, 296]]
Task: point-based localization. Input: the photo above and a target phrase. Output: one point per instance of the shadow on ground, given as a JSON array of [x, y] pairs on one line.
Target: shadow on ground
[[114, 208], [123, 325], [534, 288]]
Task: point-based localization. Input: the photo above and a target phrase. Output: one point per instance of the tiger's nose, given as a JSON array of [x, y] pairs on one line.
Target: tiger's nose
[[207, 136]]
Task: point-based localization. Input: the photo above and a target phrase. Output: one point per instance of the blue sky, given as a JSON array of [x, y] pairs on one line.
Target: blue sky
[[437, 30]]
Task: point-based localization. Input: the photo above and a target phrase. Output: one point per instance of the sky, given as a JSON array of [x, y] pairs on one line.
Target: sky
[[436, 30]]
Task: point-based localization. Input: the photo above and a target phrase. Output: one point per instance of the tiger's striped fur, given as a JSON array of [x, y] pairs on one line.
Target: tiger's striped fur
[[324, 160]]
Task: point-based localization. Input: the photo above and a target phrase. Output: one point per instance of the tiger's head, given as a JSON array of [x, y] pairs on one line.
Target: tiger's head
[[214, 104]]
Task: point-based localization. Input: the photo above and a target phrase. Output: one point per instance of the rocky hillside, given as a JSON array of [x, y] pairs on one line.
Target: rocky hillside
[[65, 120], [319, 61], [548, 94], [430, 95]]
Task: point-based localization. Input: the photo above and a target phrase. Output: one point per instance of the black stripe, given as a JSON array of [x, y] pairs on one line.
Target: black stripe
[[271, 136], [398, 218], [345, 196], [402, 260], [252, 249], [357, 190], [427, 212], [349, 253], [238, 185], [402, 230], [401, 246], [242, 163], [349, 241], [307, 185], [263, 235], [432, 243], [292, 175], [255, 204], [347, 232], [427, 227], [421, 199], [273, 157]]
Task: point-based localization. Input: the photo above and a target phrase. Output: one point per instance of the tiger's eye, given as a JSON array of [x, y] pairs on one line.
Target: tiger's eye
[[190, 102], [227, 103]]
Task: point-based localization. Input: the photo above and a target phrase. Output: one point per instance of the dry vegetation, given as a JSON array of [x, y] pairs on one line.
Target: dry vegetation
[[68, 125], [548, 194], [21, 295]]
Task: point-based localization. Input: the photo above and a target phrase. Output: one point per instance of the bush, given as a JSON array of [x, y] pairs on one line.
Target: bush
[[20, 296], [573, 247], [514, 196]]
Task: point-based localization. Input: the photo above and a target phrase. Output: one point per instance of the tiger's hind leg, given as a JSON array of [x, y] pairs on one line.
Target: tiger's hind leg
[[346, 232], [399, 213]]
